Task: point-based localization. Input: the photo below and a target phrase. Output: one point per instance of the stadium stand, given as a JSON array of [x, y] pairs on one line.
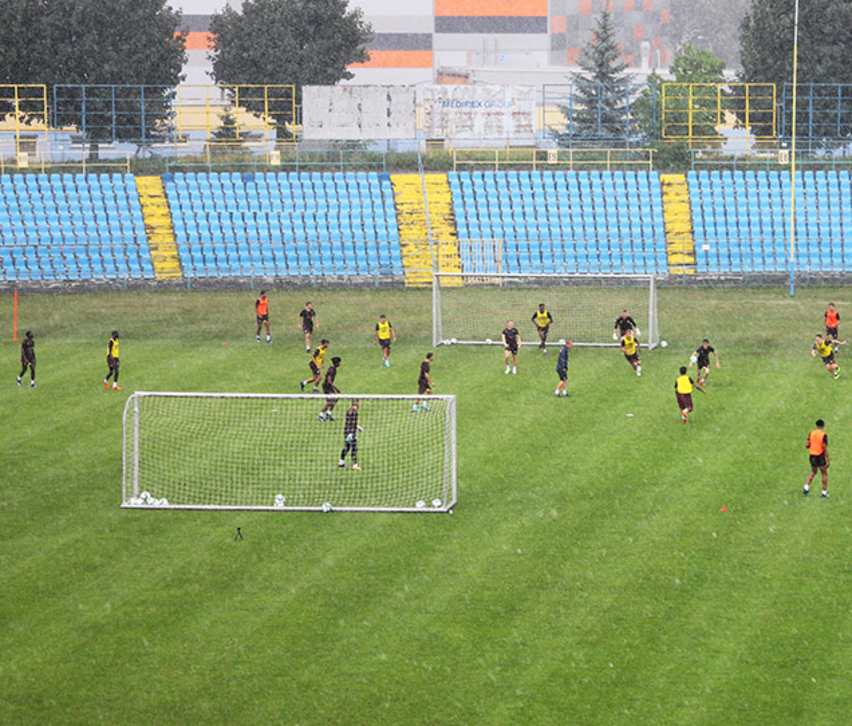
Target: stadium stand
[[78, 227], [609, 222], [71, 227], [232, 224], [741, 220]]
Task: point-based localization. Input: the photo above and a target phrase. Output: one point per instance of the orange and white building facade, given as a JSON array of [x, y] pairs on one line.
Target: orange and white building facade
[[434, 41]]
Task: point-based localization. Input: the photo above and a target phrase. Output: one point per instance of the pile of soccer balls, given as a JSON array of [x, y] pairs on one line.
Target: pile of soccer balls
[[146, 500]]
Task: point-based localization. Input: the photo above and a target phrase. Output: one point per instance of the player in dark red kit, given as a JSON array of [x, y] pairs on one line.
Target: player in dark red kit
[[329, 389], [350, 435], [28, 357], [424, 382]]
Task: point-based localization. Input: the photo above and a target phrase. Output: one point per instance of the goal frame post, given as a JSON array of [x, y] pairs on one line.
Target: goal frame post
[[583, 280], [131, 486]]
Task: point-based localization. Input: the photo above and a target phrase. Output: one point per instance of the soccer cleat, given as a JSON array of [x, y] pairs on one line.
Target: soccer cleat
[[514, 371], [316, 390], [321, 418], [302, 386], [329, 417], [806, 491], [825, 495], [268, 339], [307, 349], [415, 410], [116, 387], [508, 369], [357, 467], [258, 338], [32, 384], [556, 392], [19, 380], [544, 350], [386, 363], [565, 394], [106, 383], [341, 464]]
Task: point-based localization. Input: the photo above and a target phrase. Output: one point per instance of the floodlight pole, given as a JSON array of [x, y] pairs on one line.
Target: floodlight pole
[[793, 152]]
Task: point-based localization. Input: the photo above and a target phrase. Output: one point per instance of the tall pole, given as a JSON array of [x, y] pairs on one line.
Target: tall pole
[[793, 152]]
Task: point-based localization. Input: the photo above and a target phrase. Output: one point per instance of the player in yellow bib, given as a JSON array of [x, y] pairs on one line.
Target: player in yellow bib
[[823, 348], [382, 335], [316, 364], [113, 362], [631, 348], [542, 319], [684, 386]]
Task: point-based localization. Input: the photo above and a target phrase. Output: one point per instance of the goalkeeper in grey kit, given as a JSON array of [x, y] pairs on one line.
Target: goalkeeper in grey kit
[[350, 432]]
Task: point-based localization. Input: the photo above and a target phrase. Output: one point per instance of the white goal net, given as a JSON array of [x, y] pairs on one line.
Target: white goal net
[[474, 308], [271, 452]]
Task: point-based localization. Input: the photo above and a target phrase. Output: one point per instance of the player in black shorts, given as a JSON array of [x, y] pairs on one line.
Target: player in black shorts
[[701, 357], [261, 310], [316, 364], [817, 446], [424, 382], [542, 320], [329, 389], [623, 323], [308, 322], [113, 362], [350, 435], [28, 357], [511, 343]]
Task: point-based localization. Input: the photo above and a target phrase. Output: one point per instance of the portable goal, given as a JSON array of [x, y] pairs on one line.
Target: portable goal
[[270, 452], [473, 308]]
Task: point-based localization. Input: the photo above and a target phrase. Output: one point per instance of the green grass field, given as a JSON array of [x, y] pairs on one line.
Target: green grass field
[[587, 576]]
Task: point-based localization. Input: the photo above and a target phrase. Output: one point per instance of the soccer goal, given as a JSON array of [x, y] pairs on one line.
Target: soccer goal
[[270, 452], [474, 308]]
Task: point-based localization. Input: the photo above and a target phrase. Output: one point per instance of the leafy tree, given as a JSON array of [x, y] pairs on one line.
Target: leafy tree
[[691, 66], [694, 117], [825, 50], [294, 42], [602, 87], [59, 42]]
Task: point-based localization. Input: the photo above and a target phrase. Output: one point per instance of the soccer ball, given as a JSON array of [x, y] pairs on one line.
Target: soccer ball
[[326, 507], [145, 497], [436, 503], [488, 341], [694, 359], [453, 341], [420, 504], [134, 501], [562, 341], [664, 344], [279, 500], [163, 502]]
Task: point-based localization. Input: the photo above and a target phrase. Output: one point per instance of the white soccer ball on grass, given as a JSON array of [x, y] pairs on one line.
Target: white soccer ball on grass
[[326, 507], [436, 503], [488, 341], [453, 341], [664, 344], [420, 504], [279, 500]]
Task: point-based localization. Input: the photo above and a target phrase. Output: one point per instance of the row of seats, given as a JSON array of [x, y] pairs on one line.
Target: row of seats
[[573, 221], [287, 224], [76, 226], [742, 220]]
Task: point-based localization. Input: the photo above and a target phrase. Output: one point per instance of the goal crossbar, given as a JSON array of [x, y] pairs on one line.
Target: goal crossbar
[[269, 452]]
